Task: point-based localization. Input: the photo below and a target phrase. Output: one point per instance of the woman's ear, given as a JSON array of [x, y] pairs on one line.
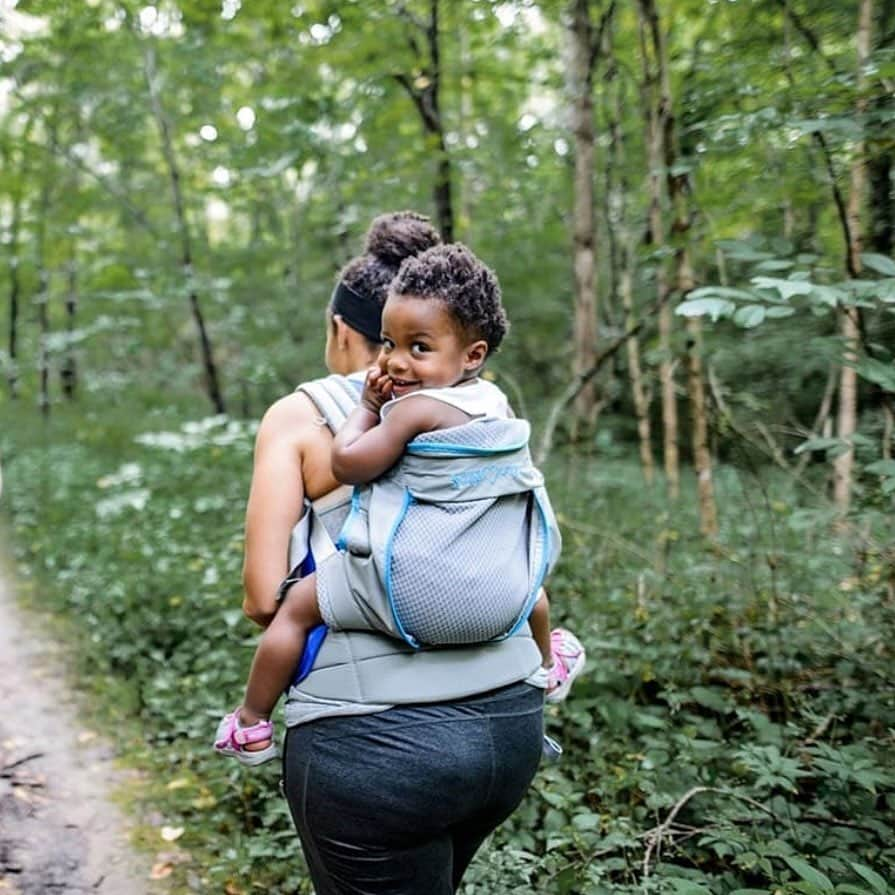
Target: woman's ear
[[341, 332], [475, 355]]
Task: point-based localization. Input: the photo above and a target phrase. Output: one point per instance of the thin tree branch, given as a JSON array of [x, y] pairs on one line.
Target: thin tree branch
[[597, 41], [808, 34], [838, 198], [581, 380], [654, 840], [823, 411]]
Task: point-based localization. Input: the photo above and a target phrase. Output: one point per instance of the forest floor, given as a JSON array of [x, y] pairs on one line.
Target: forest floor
[[59, 828]]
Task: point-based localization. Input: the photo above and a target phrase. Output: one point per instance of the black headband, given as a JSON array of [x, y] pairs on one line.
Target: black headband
[[361, 314]]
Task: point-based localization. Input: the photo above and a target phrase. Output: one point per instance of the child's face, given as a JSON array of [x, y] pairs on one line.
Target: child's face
[[422, 346]]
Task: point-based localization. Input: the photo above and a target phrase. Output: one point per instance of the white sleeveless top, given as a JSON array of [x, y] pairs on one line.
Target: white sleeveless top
[[478, 398]]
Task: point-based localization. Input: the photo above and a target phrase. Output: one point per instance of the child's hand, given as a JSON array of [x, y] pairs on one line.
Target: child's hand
[[377, 390]]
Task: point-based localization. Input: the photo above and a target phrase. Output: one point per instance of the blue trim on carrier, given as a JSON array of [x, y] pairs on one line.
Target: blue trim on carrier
[[389, 546], [313, 642], [541, 573], [460, 450], [316, 635], [341, 540]]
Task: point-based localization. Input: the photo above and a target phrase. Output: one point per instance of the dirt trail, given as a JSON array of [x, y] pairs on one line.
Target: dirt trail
[[59, 833]]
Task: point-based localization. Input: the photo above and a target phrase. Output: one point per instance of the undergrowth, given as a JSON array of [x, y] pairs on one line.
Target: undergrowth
[[735, 730]]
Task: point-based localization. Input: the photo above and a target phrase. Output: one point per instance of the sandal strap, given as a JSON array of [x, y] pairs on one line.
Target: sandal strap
[[254, 733]]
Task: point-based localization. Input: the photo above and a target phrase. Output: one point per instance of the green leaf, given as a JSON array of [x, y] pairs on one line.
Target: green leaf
[[749, 316], [871, 876], [742, 251], [786, 288], [809, 873], [881, 467], [773, 265], [819, 444], [686, 887], [586, 821], [720, 292], [711, 699], [880, 263], [882, 374], [749, 892], [702, 307], [828, 295]]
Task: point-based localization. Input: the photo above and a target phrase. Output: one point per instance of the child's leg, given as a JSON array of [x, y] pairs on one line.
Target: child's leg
[[279, 651], [561, 651], [539, 621]]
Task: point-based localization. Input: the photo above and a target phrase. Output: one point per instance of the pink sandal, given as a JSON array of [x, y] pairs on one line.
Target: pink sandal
[[568, 662], [232, 738]]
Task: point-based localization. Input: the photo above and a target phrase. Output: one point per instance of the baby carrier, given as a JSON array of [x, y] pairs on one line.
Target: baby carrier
[[449, 547], [354, 671]]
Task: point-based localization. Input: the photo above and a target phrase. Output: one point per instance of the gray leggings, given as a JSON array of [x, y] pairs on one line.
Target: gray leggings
[[398, 802]]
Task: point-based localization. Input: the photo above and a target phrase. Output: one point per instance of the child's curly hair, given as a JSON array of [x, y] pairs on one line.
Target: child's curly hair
[[453, 274]]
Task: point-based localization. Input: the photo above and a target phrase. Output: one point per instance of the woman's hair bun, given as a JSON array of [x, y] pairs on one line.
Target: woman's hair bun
[[398, 235]]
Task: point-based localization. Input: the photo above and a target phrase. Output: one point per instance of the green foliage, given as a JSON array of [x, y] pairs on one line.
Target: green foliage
[[734, 731], [734, 734]]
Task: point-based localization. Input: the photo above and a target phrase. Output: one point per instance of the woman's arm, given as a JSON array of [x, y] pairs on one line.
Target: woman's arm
[[276, 500]]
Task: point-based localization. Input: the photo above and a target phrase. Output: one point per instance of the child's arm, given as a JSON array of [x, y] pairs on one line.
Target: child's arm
[[366, 447]]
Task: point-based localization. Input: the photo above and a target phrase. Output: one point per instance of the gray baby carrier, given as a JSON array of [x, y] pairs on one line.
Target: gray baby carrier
[[362, 670], [449, 547]]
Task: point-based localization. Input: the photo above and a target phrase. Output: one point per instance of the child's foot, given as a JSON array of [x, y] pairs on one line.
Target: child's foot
[[568, 663], [234, 740]]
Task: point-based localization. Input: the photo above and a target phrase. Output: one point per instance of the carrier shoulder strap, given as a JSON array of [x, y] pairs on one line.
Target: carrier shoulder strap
[[334, 396]]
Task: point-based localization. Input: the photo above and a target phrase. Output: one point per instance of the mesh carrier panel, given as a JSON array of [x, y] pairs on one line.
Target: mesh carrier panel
[[459, 571], [483, 434]]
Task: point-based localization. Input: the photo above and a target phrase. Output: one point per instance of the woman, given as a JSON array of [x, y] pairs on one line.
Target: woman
[[397, 763]]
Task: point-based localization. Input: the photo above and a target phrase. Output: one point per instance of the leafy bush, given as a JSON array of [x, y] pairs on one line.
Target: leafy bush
[[734, 732]]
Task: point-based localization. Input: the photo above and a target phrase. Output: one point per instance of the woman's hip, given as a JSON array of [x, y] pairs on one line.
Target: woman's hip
[[415, 770]]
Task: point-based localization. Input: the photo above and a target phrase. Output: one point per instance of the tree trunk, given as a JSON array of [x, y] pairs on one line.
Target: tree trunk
[[15, 282], [443, 200], [186, 254], [584, 336], [425, 91], [677, 185], [635, 372], [847, 415], [880, 165], [655, 128], [42, 298], [466, 124], [15, 288], [68, 373], [702, 457], [882, 201], [617, 218]]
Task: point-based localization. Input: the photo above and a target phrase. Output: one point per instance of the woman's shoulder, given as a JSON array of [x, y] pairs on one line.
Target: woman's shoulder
[[289, 413], [318, 405], [292, 422]]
